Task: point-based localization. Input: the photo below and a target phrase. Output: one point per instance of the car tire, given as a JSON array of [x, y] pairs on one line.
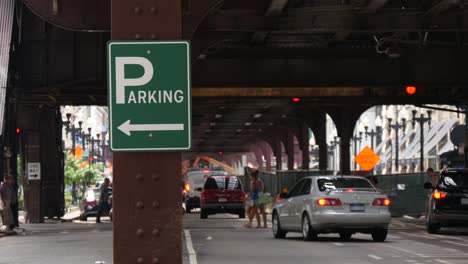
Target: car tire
[[188, 209], [83, 218], [278, 232], [242, 214], [203, 214], [345, 235], [432, 228], [308, 232], [379, 235]]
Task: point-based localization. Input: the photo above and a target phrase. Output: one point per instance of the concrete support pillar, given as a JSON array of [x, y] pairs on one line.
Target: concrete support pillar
[[290, 149]]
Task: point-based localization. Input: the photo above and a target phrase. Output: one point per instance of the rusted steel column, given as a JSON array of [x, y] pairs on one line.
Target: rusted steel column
[[147, 186], [278, 152], [322, 140], [305, 147], [290, 149]]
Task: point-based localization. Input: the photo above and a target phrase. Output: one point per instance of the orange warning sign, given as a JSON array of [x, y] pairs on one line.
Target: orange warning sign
[[367, 159]]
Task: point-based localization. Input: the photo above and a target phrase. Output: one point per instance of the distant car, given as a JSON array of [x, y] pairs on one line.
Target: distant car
[[90, 203], [448, 202], [222, 194], [332, 204], [194, 181]]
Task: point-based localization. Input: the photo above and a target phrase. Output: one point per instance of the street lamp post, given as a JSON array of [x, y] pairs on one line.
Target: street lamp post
[[356, 139], [335, 144], [397, 127], [372, 134], [72, 130], [421, 120]]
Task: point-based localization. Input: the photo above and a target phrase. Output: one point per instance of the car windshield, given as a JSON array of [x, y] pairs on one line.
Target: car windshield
[[223, 183], [454, 180], [343, 183]]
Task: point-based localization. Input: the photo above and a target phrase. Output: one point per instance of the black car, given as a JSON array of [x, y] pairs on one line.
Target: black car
[[448, 203]]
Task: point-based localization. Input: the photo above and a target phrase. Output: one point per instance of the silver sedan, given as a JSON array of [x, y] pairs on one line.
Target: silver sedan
[[332, 204]]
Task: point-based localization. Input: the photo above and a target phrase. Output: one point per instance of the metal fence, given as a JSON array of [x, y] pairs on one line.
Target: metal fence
[[406, 192]]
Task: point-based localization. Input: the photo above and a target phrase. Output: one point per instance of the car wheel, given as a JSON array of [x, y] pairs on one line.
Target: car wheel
[[345, 235], [83, 218], [379, 235], [203, 214], [308, 232], [278, 232], [242, 214]]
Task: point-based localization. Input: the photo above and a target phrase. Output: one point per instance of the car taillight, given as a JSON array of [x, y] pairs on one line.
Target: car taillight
[[381, 202], [187, 187], [242, 197], [329, 202], [90, 202], [203, 195], [439, 195]]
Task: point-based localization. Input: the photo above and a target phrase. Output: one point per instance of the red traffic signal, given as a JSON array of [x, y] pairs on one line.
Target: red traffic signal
[[18, 130], [410, 90]]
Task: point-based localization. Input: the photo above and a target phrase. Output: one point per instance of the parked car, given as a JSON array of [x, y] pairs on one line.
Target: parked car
[[332, 204], [222, 194], [194, 181], [90, 204], [448, 202]]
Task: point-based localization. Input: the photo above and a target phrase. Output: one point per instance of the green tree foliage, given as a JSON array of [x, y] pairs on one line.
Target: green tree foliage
[[81, 173]]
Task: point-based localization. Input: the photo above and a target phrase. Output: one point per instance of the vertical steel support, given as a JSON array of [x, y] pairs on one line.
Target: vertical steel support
[[305, 147], [322, 141], [147, 222], [465, 149], [278, 153], [345, 154], [290, 149]]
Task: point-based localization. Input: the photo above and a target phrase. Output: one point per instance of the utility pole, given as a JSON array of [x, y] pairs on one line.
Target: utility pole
[[397, 126], [421, 120], [335, 143]]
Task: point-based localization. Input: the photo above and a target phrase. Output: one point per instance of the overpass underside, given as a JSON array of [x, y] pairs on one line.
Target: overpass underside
[[249, 58]]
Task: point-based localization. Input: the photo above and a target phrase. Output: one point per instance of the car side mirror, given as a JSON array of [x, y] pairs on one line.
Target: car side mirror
[[284, 195], [428, 185]]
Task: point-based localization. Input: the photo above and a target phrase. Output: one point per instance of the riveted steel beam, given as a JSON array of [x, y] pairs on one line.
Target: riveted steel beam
[[147, 223]]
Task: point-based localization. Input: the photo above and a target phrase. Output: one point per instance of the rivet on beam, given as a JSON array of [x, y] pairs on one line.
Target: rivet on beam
[[137, 10], [155, 232], [140, 260], [139, 205], [155, 176], [155, 261], [139, 177], [155, 204], [137, 36], [154, 10], [139, 232]]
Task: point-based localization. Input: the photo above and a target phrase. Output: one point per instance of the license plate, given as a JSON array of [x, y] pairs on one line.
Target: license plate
[[464, 201], [356, 208], [222, 200]]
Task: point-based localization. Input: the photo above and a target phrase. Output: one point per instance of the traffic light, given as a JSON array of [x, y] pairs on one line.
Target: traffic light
[[18, 130], [410, 90], [296, 99]]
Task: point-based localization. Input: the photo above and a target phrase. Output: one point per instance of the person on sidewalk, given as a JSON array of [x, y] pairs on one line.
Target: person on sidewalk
[[103, 200], [263, 201], [9, 203]]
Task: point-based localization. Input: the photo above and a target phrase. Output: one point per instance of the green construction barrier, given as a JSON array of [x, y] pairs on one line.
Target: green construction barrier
[[406, 192]]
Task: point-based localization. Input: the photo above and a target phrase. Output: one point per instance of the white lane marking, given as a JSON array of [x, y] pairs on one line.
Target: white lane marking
[[451, 237], [190, 249], [417, 235], [410, 260], [421, 255], [338, 244], [442, 261], [393, 237], [374, 257], [455, 243]]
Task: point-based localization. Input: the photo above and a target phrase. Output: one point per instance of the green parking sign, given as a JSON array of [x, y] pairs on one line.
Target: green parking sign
[[149, 95]]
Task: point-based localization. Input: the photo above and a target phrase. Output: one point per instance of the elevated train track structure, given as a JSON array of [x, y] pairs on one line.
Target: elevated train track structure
[[249, 59]]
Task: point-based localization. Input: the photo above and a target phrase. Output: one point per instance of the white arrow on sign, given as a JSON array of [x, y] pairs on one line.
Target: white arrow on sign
[[127, 128]]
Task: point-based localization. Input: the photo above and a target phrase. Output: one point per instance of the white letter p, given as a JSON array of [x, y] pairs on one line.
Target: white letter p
[[121, 81]]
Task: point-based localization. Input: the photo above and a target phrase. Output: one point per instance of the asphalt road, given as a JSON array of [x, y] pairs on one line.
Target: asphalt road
[[224, 239]]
